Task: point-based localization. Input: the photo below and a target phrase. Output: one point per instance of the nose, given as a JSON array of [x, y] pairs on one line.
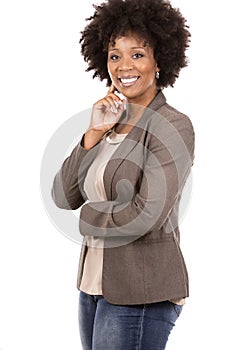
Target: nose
[[125, 64]]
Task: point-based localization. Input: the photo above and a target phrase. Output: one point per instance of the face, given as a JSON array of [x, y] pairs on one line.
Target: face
[[132, 68]]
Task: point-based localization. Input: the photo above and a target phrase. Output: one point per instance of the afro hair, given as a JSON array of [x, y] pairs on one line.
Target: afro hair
[[155, 21]]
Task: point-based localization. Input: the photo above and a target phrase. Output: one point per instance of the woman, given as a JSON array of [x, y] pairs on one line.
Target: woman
[[130, 167]]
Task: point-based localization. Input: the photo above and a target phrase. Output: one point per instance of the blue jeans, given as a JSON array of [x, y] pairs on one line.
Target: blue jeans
[[105, 326]]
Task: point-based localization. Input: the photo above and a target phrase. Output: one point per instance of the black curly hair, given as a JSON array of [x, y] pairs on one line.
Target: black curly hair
[[155, 21]]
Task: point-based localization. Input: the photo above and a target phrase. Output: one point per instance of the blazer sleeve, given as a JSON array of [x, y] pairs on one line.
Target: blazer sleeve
[[67, 190], [168, 160]]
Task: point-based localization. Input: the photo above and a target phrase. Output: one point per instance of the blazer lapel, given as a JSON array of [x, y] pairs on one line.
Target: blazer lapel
[[130, 141]]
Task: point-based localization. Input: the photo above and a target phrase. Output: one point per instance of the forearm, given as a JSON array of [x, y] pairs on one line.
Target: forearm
[[67, 191], [114, 219]]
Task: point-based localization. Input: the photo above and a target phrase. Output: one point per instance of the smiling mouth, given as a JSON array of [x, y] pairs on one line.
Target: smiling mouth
[[128, 81]]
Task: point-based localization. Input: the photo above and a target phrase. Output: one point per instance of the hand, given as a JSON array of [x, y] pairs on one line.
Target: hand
[[105, 114], [107, 111]]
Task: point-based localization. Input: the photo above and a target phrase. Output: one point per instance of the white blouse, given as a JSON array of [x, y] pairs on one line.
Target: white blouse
[[94, 188]]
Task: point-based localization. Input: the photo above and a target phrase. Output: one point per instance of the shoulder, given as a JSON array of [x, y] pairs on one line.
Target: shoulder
[[160, 111], [176, 118], [171, 127]]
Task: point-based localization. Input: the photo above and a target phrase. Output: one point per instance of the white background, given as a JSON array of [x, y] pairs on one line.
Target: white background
[[43, 83]]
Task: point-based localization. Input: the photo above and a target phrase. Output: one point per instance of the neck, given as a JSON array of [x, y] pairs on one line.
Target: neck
[[143, 100], [135, 110]]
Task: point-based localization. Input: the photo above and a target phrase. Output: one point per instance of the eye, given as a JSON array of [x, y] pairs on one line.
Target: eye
[[138, 55], [114, 57]]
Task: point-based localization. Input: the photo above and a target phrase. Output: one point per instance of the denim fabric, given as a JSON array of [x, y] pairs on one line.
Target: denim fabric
[[105, 326]]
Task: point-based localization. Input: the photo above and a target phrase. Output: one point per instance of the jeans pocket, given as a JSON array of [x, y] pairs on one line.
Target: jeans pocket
[[177, 308]]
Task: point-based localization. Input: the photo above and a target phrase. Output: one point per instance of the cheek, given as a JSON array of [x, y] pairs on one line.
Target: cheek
[[109, 67], [111, 74], [148, 70], [149, 76]]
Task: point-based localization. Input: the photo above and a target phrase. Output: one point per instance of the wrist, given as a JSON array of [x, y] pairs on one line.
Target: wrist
[[91, 138]]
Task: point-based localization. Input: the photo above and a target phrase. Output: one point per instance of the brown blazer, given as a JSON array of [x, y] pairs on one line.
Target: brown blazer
[[143, 180]]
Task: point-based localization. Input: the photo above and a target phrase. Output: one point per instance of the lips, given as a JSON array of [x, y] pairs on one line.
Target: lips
[[128, 81]]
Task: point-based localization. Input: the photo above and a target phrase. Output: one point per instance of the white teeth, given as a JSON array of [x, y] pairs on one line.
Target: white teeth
[[129, 80]]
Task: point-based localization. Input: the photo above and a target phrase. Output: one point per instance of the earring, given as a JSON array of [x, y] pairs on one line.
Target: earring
[[157, 75]]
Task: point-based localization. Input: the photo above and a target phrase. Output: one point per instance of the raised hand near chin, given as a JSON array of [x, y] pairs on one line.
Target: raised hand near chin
[[105, 114], [107, 111]]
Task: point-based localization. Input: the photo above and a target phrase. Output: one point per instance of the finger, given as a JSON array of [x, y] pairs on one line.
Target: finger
[[102, 105], [121, 108], [114, 103], [112, 89], [118, 112], [110, 102]]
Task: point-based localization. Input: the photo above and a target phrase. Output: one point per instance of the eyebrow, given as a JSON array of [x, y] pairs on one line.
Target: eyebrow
[[132, 48]]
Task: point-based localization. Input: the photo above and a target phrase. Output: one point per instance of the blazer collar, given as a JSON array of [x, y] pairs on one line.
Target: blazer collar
[[158, 101]]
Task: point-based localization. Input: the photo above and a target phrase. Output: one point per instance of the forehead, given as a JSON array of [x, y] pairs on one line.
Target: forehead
[[128, 40]]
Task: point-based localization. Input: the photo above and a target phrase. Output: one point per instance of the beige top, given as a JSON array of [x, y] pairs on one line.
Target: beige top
[[91, 282], [94, 188]]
